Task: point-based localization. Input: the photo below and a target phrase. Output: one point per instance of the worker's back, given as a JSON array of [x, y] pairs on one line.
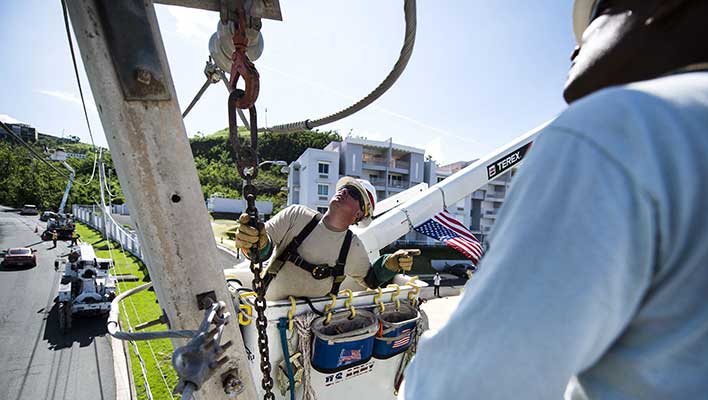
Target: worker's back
[[658, 134], [598, 264]]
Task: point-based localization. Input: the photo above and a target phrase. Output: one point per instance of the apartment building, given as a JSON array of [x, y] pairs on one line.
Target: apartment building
[[26, 132], [391, 168], [312, 178]]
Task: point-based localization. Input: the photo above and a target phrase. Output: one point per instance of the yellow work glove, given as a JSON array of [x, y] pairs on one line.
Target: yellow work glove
[[401, 260], [247, 235]]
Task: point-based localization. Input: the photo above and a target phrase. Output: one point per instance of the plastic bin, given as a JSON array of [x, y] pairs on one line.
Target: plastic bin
[[397, 330], [343, 342]]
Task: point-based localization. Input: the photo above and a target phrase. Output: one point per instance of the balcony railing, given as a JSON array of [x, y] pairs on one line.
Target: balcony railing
[[400, 164]]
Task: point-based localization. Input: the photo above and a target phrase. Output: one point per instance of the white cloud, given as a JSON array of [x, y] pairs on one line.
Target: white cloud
[[71, 98], [194, 24], [375, 107], [8, 119], [434, 149]]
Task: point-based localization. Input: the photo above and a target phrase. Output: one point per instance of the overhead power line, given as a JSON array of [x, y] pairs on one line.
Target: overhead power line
[[33, 151]]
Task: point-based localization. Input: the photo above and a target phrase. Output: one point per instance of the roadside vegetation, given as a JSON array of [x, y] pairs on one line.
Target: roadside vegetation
[[25, 180], [139, 308]]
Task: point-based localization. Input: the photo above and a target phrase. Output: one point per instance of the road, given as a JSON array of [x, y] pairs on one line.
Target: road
[[37, 361]]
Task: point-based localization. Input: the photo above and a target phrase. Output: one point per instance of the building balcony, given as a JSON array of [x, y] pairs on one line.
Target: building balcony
[[495, 196], [400, 164]]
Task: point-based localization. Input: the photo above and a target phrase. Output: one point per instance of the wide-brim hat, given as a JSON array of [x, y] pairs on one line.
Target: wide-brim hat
[[583, 10]]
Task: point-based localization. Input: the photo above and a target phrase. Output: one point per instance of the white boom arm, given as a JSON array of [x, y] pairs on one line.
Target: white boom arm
[[400, 220], [64, 198]]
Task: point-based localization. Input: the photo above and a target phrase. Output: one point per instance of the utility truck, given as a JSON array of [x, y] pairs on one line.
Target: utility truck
[[87, 287], [63, 224]]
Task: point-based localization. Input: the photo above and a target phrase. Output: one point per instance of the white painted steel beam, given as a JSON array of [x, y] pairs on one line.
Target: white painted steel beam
[[151, 152]]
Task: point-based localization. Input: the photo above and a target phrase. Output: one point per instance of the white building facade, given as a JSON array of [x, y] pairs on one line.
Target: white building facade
[[391, 168]]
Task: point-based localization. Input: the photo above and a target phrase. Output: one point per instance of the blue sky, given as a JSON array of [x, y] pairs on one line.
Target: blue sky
[[482, 72]]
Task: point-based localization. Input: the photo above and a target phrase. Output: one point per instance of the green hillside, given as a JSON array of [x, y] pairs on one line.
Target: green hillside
[[25, 180]]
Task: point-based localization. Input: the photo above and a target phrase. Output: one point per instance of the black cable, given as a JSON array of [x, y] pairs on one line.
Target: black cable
[[76, 70], [409, 9], [33, 151]]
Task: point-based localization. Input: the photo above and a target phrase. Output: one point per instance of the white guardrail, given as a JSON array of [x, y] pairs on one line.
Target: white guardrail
[[128, 240]]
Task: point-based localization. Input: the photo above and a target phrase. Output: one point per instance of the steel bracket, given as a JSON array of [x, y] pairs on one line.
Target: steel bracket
[[132, 48]]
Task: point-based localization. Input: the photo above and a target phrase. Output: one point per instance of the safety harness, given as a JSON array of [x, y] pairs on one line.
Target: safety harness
[[318, 272]]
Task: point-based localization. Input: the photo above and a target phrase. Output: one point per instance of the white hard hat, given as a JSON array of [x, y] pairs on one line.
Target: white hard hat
[[583, 10], [367, 191]]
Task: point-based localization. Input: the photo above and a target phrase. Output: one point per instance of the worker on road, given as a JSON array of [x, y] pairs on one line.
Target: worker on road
[[596, 276], [313, 255], [75, 238], [436, 284]]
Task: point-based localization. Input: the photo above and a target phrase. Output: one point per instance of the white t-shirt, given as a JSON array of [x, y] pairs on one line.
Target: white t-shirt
[[598, 262], [322, 246], [436, 279]]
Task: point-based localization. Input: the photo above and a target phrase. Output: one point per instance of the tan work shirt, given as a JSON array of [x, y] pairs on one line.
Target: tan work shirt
[[320, 247]]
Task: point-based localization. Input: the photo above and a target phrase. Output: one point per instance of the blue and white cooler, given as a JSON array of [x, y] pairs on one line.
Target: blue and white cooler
[[397, 330], [343, 342]]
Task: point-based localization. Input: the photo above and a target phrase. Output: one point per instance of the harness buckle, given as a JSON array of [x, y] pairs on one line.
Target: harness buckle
[[321, 272]]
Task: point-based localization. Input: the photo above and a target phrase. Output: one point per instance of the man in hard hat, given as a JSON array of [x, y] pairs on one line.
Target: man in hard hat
[[313, 255], [597, 268]]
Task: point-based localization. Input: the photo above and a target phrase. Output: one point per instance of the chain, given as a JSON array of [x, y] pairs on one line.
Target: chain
[[247, 166]]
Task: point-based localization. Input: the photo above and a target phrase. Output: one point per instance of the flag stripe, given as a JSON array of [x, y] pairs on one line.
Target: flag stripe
[[449, 230], [466, 246], [470, 247], [451, 222], [459, 231], [461, 228]]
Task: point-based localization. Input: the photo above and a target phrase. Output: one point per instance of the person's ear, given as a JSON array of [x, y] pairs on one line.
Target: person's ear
[[359, 215], [665, 11]]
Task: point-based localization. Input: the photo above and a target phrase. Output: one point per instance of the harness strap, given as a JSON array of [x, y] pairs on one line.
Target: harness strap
[[341, 261], [318, 271]]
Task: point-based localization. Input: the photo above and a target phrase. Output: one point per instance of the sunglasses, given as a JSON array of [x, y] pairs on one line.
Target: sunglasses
[[354, 193]]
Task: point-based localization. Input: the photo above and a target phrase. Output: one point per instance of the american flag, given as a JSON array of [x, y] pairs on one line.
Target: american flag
[[447, 229], [404, 340], [347, 355]]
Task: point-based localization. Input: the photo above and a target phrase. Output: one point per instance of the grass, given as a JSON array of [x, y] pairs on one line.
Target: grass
[[139, 308]]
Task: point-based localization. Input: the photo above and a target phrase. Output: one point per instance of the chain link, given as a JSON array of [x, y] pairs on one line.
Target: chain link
[[246, 159]]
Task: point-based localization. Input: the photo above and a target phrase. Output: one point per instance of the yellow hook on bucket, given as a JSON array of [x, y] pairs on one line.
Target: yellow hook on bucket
[[414, 291], [377, 299], [394, 296], [348, 302], [328, 308]]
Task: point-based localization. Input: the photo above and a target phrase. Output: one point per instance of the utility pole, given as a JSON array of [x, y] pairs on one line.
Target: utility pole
[[127, 67]]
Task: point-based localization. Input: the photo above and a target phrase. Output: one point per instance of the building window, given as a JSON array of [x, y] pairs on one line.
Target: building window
[[416, 171], [395, 180], [322, 189], [323, 168], [321, 210], [353, 162]]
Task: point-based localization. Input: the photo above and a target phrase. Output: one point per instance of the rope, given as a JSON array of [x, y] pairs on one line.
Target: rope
[[406, 51], [303, 322]]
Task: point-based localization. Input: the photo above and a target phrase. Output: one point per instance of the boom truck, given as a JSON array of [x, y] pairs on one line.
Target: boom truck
[[345, 346], [62, 224]]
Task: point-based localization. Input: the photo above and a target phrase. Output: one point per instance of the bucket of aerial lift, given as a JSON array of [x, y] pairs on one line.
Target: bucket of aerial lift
[[343, 342], [397, 329]]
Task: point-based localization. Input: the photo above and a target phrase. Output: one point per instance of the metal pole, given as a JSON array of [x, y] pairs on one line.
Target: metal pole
[[102, 180], [137, 103]]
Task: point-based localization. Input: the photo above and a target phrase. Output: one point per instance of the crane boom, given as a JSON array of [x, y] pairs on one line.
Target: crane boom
[[400, 220], [65, 197]]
